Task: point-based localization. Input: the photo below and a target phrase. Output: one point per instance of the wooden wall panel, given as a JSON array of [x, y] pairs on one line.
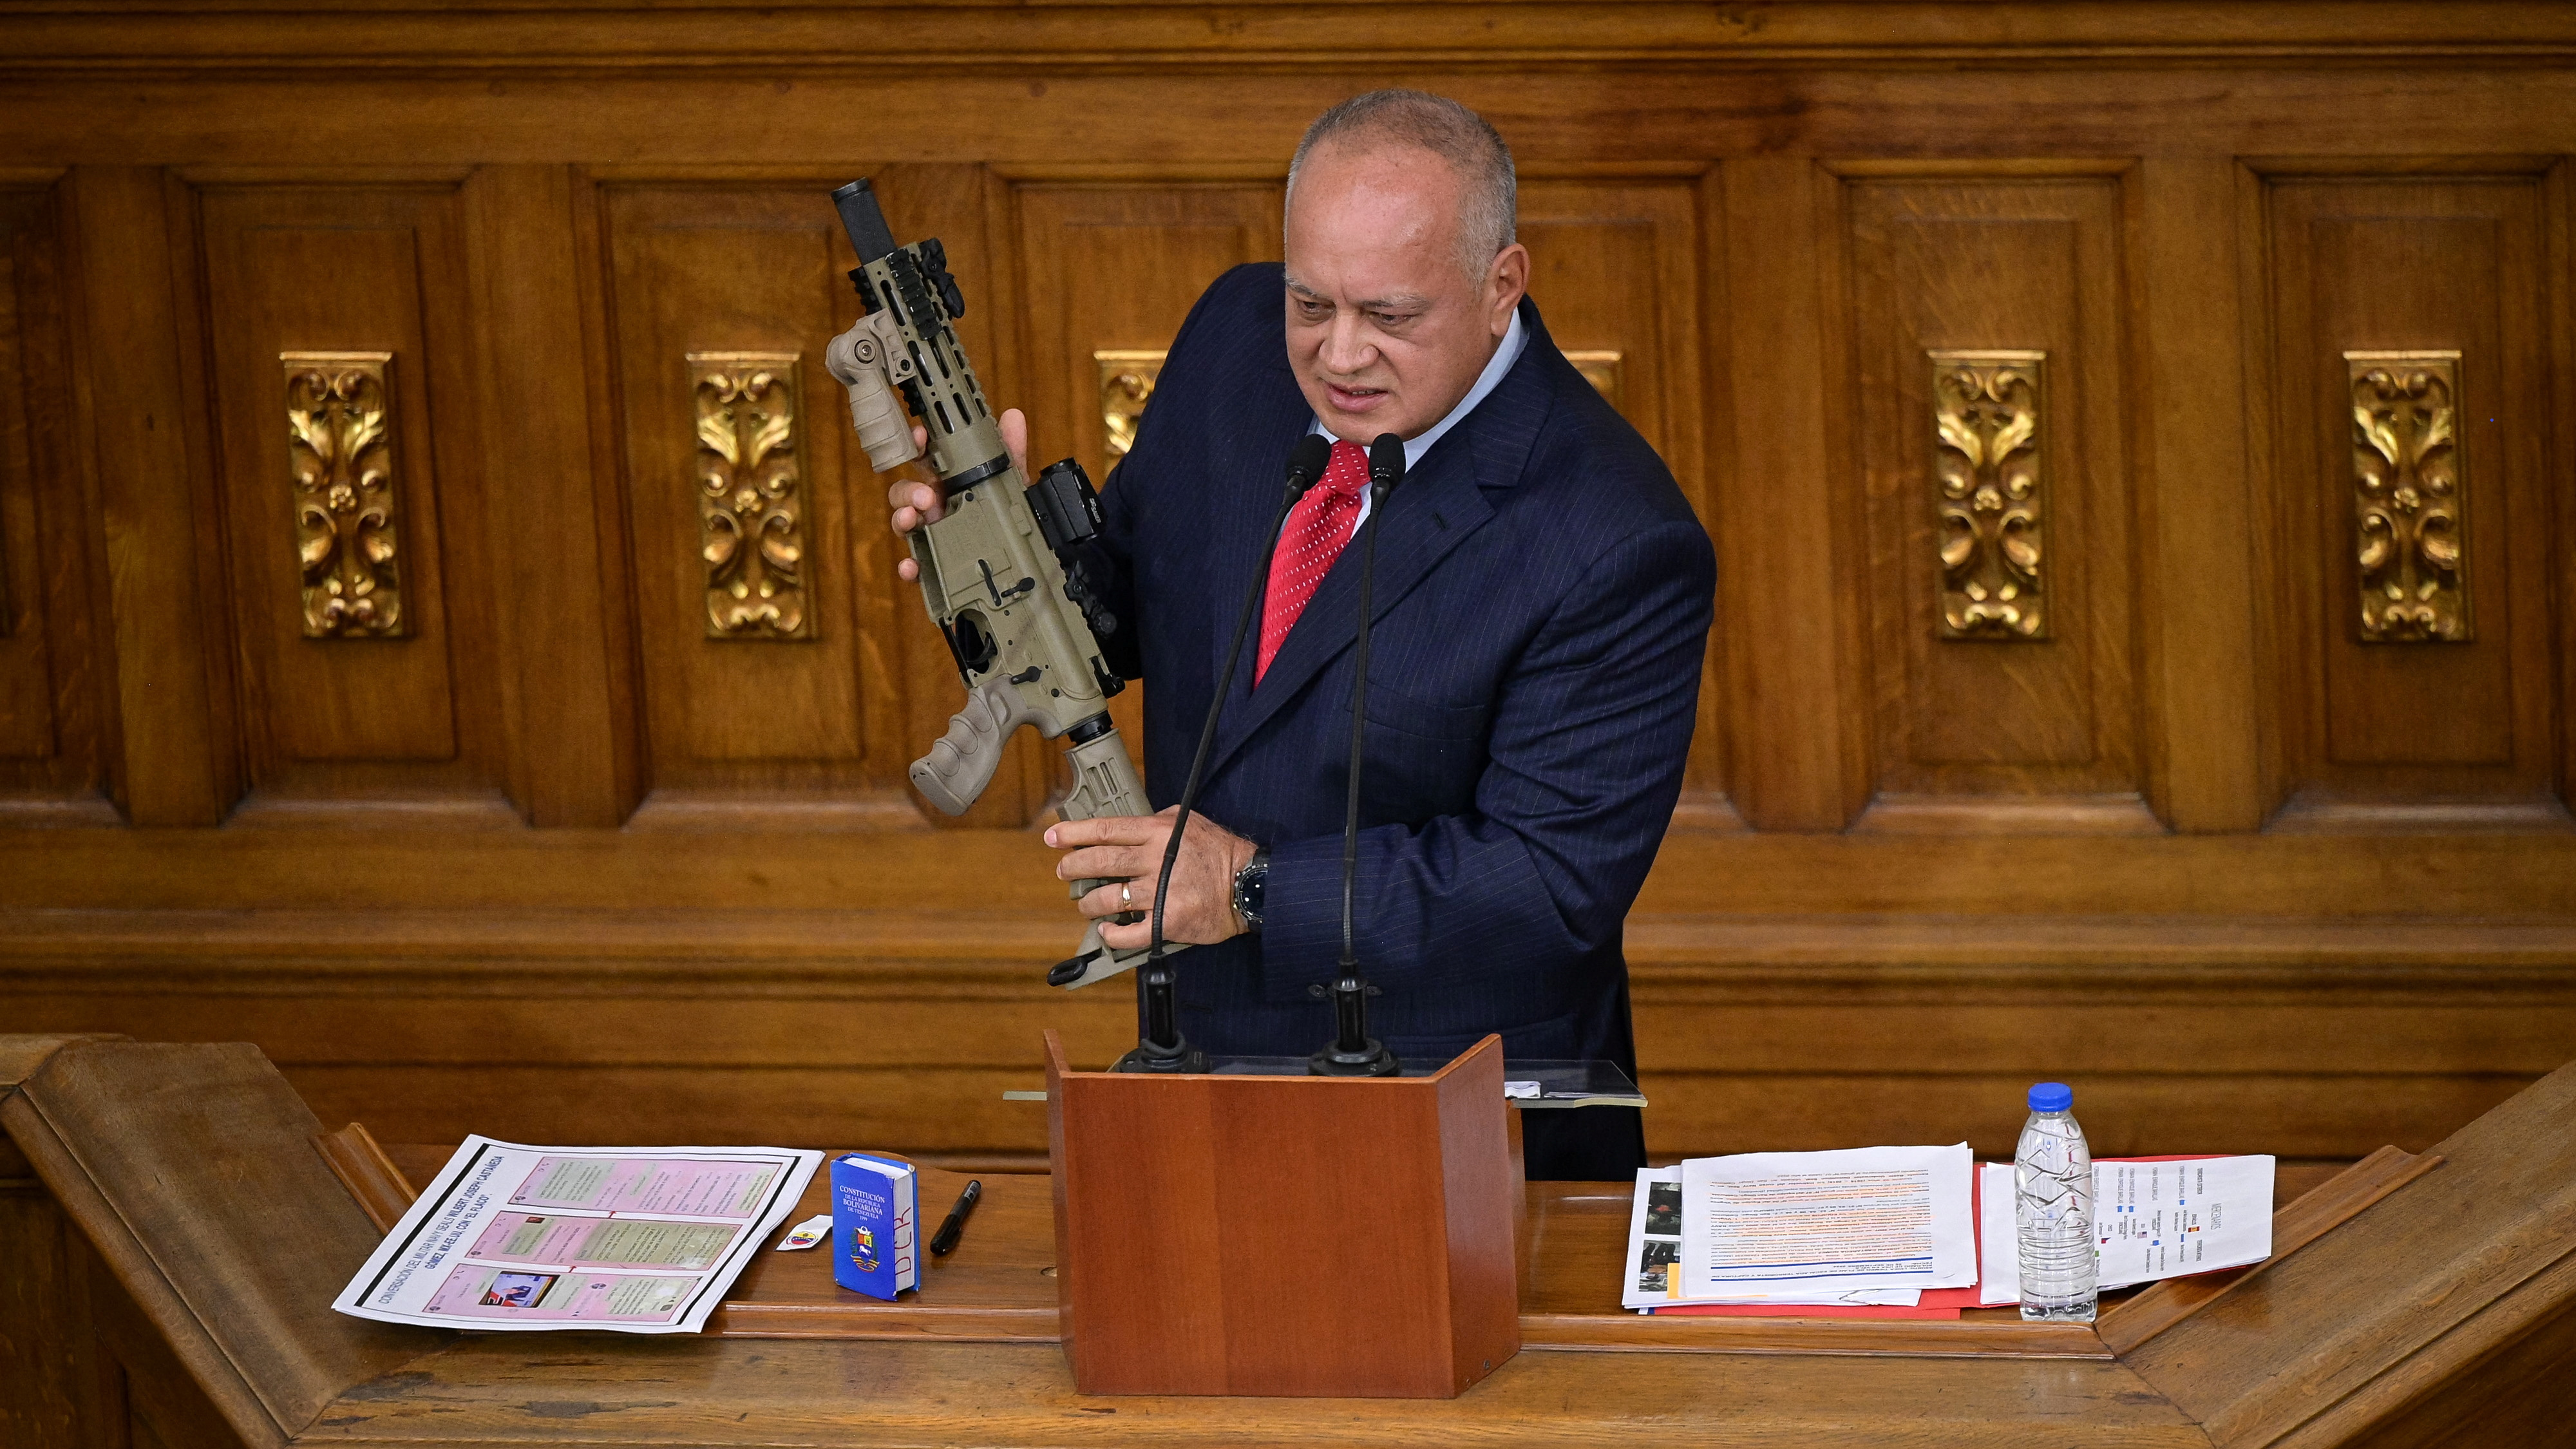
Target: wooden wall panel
[[1616, 266], [568, 679], [818, 729], [2466, 729], [1116, 265], [356, 268], [1788, 587], [2203, 678], [51, 724], [141, 383], [1996, 729], [812, 719]]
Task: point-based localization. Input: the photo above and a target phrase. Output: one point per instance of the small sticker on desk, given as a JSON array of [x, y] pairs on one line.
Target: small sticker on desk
[[807, 1233], [1520, 1090]]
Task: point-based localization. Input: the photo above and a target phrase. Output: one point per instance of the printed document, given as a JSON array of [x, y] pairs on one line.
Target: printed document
[[2151, 1219], [1821, 1225], [630, 1239], [1654, 1278]]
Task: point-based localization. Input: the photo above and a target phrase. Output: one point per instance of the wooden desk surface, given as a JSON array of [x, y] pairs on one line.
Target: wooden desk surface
[[998, 1287], [215, 1236], [794, 1360]]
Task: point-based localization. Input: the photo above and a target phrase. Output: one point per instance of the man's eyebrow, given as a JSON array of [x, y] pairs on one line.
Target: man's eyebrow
[[1405, 302]]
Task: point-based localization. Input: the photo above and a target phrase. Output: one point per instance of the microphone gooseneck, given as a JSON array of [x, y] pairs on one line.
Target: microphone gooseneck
[[1353, 1052], [1160, 1047]]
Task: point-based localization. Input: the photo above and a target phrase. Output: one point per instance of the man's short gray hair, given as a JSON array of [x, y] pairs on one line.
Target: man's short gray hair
[[1448, 130]]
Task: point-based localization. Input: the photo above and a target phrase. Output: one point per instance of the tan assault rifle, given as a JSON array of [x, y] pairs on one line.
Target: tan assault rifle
[[1007, 570]]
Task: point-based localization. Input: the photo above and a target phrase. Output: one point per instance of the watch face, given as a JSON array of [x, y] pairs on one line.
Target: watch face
[[1249, 884]]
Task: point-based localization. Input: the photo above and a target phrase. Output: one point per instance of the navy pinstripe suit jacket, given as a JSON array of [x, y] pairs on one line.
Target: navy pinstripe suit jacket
[[1543, 600]]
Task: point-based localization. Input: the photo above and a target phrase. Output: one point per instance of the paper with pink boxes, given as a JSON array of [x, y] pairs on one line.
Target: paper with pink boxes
[[630, 1239]]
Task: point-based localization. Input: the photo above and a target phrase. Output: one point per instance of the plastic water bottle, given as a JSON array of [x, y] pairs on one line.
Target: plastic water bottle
[[2053, 1200]]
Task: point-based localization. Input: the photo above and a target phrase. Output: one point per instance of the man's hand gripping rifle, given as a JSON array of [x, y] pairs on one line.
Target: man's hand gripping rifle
[[1008, 570]]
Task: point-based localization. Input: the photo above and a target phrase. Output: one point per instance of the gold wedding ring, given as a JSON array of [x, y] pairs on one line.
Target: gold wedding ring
[[1123, 898]]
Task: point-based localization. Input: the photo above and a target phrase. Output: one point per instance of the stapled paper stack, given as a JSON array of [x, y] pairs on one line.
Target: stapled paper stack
[[1872, 1226]]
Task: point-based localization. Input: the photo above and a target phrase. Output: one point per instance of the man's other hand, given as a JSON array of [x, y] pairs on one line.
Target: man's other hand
[[1129, 848], [916, 502]]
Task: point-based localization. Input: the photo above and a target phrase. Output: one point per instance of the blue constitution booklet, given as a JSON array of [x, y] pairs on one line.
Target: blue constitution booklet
[[876, 1225]]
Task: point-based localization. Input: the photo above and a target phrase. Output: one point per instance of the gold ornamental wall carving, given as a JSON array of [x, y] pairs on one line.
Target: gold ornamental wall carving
[[2409, 497], [340, 463], [751, 507], [1127, 380], [1988, 493]]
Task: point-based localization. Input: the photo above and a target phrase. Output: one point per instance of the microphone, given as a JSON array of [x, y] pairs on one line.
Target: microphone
[[1353, 1052], [1160, 1046]]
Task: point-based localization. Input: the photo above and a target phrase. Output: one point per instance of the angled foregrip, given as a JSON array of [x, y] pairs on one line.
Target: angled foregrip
[[962, 763], [869, 360]]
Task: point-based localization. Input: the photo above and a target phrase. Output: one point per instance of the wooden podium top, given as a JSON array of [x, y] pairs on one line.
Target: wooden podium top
[[221, 1235]]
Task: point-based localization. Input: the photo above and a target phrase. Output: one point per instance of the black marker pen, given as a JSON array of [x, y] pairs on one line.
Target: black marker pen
[[951, 1230]]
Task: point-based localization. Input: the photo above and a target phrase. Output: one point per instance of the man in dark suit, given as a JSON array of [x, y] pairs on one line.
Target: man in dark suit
[[1543, 597]]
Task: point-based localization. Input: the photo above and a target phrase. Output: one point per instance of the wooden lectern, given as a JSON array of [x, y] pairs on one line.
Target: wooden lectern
[[1280, 1235]]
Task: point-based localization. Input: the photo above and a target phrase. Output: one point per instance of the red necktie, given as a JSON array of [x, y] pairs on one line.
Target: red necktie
[[1315, 533]]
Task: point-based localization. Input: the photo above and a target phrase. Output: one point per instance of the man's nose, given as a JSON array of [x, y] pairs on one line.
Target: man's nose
[[1347, 348]]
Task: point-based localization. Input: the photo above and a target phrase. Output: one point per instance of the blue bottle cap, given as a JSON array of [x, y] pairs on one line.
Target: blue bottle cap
[[2051, 1097]]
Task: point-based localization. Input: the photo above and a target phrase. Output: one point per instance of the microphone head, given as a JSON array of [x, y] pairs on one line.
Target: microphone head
[[1307, 462], [1386, 461]]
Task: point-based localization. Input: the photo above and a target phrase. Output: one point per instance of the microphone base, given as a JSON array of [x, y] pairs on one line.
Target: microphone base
[[1180, 1058], [1371, 1060]]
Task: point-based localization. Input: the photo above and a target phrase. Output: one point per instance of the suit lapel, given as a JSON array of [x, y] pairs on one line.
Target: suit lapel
[[1433, 511]]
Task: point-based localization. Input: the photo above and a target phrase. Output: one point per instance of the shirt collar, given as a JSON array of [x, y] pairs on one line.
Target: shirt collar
[[1515, 339]]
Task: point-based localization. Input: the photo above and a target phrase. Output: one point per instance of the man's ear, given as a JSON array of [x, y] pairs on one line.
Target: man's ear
[[1506, 282]]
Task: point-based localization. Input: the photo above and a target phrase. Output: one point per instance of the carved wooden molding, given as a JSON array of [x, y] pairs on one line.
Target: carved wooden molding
[[751, 526], [93, 37], [1127, 380], [2409, 497], [1601, 369], [1986, 474], [340, 462]]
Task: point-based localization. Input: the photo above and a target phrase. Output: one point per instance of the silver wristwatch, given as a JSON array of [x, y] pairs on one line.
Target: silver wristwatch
[[1251, 884]]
